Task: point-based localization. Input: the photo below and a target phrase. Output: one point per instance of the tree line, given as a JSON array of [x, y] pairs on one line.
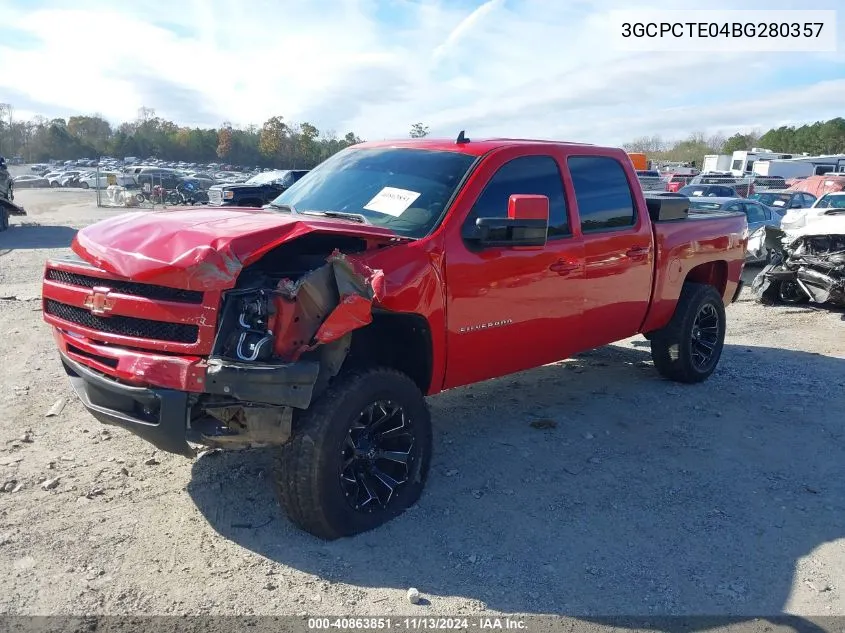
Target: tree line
[[289, 145], [820, 138], [277, 143]]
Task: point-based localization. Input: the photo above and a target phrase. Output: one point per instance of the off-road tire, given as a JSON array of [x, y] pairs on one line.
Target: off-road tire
[[307, 476], [672, 346]]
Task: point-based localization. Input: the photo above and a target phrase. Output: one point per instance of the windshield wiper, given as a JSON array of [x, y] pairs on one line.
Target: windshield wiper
[[283, 207], [355, 217]]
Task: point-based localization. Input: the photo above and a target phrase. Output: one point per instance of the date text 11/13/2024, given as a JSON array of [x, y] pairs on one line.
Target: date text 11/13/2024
[[415, 624]]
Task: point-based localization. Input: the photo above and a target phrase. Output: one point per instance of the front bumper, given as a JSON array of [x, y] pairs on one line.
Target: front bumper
[[163, 417], [159, 416]]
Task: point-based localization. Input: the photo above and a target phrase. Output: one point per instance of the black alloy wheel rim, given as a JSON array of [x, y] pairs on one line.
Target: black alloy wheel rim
[[376, 456], [705, 336]]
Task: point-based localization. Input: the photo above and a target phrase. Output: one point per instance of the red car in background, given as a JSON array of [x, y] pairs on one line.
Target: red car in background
[[676, 181]]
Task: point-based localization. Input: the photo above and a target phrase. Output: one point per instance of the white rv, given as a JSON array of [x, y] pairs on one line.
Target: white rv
[[716, 162], [742, 161], [801, 166]]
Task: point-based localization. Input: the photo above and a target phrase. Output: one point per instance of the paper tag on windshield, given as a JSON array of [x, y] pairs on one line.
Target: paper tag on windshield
[[392, 201]]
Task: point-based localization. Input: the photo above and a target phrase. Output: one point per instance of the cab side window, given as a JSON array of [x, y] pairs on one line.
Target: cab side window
[[536, 175], [603, 194]]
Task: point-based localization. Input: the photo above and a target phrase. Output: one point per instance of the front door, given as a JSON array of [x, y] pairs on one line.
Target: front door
[[510, 309]]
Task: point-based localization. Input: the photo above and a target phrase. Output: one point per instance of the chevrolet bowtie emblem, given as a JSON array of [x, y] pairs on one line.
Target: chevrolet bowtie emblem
[[99, 301]]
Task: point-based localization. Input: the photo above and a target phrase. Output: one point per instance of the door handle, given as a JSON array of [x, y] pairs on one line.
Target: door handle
[[637, 252], [563, 267]]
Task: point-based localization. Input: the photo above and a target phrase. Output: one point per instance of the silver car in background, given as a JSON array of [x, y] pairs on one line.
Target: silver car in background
[[757, 214]]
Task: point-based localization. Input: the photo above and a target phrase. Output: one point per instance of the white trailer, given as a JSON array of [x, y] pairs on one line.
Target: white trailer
[[800, 166], [783, 168], [716, 162], [742, 161]]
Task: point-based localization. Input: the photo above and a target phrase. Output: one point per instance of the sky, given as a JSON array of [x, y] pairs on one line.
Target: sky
[[516, 68]]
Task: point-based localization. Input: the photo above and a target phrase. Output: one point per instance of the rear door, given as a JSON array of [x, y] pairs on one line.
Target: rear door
[[618, 249]]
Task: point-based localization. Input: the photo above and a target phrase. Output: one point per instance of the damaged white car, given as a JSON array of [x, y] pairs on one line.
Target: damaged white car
[[807, 265]]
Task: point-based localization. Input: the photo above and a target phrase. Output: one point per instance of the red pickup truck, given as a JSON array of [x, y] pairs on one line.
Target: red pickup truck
[[390, 272]]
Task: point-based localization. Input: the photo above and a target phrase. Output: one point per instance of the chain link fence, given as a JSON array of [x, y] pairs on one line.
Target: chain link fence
[[716, 184], [124, 189], [147, 188]]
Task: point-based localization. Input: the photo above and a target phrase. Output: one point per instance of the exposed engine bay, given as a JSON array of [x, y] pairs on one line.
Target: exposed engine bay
[[284, 332], [804, 268]]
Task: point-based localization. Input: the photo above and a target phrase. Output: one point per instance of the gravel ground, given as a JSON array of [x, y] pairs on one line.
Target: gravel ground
[[640, 497]]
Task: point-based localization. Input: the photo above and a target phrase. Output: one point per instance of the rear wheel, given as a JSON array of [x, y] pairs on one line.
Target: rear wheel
[[690, 346], [84, 185], [359, 456]]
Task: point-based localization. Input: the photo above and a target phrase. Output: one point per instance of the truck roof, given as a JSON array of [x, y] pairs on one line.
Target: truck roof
[[473, 147]]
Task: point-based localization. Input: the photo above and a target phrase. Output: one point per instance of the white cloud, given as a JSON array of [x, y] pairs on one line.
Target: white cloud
[[502, 67]]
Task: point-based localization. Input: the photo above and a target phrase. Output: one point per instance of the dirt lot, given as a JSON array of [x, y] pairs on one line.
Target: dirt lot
[[646, 498]]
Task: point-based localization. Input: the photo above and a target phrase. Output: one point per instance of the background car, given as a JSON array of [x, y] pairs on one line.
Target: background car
[[757, 215], [90, 181], [709, 191], [676, 181], [799, 218], [29, 182], [783, 201], [742, 186], [57, 179]]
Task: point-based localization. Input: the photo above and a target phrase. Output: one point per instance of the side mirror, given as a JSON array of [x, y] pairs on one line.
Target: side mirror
[[527, 223]]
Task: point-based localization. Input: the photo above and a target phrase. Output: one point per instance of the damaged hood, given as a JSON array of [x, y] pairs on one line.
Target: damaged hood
[[200, 248], [824, 225]]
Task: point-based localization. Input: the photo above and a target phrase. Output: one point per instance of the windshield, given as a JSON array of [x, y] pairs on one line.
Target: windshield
[[772, 199], [694, 190], [705, 206], [405, 190], [264, 178], [832, 202]]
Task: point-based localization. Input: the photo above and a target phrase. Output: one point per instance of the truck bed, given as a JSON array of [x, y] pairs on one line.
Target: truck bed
[[705, 247]]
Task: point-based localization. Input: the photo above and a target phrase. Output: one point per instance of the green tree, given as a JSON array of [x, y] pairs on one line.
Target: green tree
[[739, 142], [418, 130], [273, 138], [224, 141]]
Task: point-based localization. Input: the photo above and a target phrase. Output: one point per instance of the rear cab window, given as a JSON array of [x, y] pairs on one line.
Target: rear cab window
[[603, 194]]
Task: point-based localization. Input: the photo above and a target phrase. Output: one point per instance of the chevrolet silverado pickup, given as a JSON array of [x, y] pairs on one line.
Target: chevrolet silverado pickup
[[390, 272]]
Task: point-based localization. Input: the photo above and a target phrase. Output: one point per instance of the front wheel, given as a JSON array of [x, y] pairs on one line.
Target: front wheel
[[690, 346], [84, 185], [359, 456], [790, 291]]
